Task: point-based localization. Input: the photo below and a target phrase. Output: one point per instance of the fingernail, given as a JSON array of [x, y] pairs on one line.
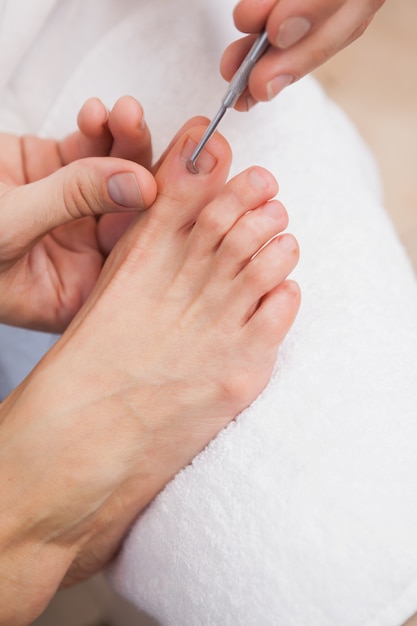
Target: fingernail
[[205, 162], [123, 189], [277, 84], [291, 31]]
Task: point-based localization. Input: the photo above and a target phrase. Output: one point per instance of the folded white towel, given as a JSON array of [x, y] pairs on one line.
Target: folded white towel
[[304, 510]]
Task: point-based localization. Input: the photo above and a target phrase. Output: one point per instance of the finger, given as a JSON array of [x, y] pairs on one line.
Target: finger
[[313, 31], [279, 68], [131, 136], [230, 63], [93, 137], [250, 16], [290, 21], [234, 55], [84, 188]]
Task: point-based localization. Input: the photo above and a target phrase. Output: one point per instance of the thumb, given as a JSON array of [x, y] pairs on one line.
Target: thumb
[[87, 187]]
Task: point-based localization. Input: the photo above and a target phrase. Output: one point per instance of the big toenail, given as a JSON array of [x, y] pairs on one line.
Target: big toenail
[[206, 161], [258, 178]]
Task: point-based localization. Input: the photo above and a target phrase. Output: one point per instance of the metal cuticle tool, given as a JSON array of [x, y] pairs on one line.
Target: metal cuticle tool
[[236, 87]]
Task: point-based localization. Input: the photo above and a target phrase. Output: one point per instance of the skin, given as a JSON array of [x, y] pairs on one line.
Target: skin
[[112, 413], [49, 261], [334, 24]]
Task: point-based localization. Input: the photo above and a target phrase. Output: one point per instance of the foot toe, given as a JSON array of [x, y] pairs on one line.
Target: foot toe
[[183, 195], [221, 223], [264, 273], [251, 232], [131, 136]]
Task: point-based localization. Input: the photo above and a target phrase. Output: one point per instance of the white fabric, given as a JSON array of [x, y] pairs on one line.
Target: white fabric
[[20, 23], [304, 510]]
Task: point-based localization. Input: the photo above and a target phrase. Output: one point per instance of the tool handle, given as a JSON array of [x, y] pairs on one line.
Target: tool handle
[[240, 80]]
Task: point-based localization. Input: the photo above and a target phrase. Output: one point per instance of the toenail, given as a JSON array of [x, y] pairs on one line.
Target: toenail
[[258, 178], [123, 189], [288, 243], [274, 209], [205, 163]]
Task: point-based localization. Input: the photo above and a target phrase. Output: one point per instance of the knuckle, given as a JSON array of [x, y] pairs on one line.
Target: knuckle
[[250, 228], [80, 197], [320, 55], [11, 238], [254, 226], [212, 220]]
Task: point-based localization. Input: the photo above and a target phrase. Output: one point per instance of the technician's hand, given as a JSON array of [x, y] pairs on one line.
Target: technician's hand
[[304, 34], [52, 194]]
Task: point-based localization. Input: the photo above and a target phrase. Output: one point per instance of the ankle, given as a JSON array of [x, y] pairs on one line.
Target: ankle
[[30, 574]]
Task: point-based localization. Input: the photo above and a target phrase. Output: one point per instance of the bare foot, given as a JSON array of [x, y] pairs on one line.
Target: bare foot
[[179, 336], [197, 272]]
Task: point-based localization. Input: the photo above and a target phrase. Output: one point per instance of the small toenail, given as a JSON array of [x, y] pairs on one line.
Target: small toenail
[[274, 209], [258, 178], [205, 163], [288, 243]]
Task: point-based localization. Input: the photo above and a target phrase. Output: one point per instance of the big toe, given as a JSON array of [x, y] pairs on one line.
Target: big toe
[[182, 194]]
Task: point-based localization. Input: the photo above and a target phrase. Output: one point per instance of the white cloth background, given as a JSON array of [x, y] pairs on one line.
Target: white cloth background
[[304, 510]]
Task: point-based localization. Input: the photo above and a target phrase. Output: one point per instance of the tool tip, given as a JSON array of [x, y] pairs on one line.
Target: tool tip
[[191, 166]]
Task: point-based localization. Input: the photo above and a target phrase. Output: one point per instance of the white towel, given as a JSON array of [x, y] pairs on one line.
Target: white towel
[[304, 510], [20, 23]]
